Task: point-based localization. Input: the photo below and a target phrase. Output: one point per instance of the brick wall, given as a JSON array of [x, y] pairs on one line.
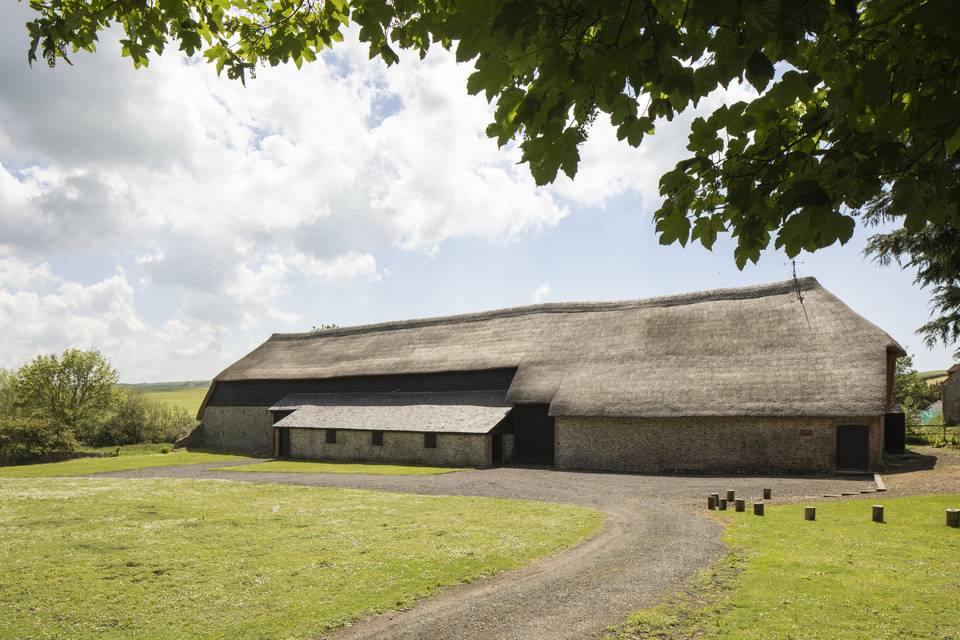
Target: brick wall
[[453, 449], [951, 398], [705, 444]]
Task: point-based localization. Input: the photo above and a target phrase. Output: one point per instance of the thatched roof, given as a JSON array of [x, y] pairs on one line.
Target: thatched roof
[[747, 351], [449, 412]]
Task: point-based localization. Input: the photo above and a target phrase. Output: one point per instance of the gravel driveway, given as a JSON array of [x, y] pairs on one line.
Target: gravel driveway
[[655, 536]]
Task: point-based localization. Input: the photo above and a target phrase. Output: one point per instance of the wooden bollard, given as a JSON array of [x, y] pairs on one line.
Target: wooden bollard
[[731, 495], [740, 505], [716, 499], [878, 513], [722, 504], [758, 508], [711, 503], [953, 517], [809, 513], [767, 493]]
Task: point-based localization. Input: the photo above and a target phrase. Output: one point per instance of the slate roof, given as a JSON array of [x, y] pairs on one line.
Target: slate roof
[[447, 412]]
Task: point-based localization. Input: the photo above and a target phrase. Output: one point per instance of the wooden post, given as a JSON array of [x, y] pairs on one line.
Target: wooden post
[[758, 508], [767, 493], [809, 513], [741, 505], [711, 503], [878, 513], [722, 504], [716, 498], [953, 517], [731, 495]]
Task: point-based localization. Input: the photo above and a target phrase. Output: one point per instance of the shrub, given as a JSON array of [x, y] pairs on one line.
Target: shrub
[[135, 419], [24, 440]]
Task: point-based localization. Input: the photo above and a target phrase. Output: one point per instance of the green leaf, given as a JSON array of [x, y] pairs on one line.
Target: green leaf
[[759, 70]]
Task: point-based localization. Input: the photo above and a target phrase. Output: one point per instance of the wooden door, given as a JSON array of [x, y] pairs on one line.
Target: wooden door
[[533, 434], [283, 444], [853, 447]]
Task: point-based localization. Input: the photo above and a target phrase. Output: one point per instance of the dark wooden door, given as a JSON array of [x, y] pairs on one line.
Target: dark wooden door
[[283, 443], [533, 434], [894, 433], [853, 447], [496, 455]]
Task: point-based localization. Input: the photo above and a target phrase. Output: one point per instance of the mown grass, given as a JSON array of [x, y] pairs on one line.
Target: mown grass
[[310, 466], [170, 559], [840, 577], [131, 457]]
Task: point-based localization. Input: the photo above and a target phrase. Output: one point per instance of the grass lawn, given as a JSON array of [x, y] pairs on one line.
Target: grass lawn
[[188, 397], [108, 558], [136, 456], [841, 577], [308, 466]]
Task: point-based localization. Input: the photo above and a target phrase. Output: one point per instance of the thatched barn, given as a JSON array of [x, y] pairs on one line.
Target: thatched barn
[[782, 376]]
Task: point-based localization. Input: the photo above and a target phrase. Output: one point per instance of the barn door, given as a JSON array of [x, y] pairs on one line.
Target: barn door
[[853, 447], [533, 434], [283, 443], [496, 453]]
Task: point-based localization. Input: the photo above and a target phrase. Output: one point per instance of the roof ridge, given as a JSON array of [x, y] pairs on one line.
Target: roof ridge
[[710, 295]]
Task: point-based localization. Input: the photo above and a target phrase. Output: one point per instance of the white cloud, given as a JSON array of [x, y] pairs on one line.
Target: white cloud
[[227, 195], [344, 267], [16, 274], [541, 293]]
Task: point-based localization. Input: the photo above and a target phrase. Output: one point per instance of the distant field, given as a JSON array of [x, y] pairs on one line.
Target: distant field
[[933, 377], [188, 395]]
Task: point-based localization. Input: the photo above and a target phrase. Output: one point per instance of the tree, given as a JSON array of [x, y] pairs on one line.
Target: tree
[[69, 389], [911, 391], [7, 395], [934, 252], [857, 113]]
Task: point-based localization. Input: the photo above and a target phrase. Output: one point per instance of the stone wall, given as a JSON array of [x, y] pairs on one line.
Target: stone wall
[[951, 398], [453, 449], [705, 444], [241, 429]]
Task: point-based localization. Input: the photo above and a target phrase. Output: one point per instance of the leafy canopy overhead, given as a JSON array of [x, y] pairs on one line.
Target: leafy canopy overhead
[[858, 105]]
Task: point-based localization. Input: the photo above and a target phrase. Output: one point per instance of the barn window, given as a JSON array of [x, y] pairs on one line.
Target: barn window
[[376, 438], [331, 436], [429, 441]]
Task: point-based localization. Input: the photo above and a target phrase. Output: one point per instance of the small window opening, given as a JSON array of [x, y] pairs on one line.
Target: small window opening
[[376, 438], [331, 436], [429, 441]]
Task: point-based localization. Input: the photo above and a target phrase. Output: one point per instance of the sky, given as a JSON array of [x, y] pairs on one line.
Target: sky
[[173, 219]]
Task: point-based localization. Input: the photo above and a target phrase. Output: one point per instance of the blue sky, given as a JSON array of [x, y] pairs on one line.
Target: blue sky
[[174, 219]]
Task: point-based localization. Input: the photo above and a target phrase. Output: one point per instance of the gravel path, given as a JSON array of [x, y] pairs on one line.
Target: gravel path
[[655, 536]]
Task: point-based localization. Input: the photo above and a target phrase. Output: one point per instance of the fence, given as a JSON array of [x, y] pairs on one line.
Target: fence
[[936, 435]]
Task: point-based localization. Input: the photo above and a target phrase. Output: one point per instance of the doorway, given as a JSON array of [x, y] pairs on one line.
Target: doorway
[[496, 453], [283, 443], [853, 447], [533, 434]]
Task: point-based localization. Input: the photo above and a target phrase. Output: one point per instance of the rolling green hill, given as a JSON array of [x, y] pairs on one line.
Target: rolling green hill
[[187, 395]]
